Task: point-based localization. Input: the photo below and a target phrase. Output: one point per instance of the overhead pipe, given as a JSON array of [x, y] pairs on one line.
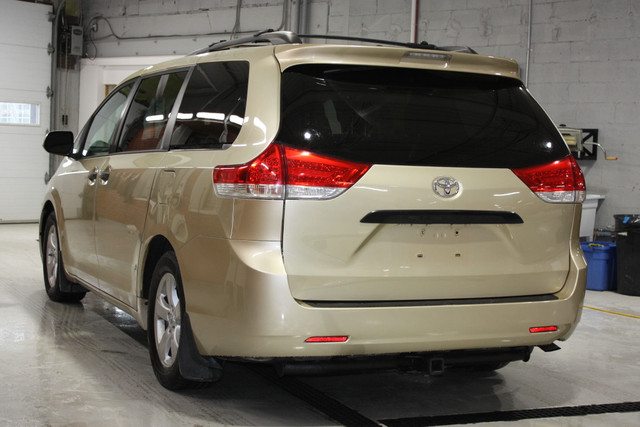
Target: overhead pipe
[[284, 24], [528, 63], [303, 11], [236, 29], [54, 65], [415, 15], [236, 26], [53, 87]]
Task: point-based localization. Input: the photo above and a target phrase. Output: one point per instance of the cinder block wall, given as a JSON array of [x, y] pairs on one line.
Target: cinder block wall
[[584, 65]]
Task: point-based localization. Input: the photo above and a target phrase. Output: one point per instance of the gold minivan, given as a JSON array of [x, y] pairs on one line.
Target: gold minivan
[[321, 206]]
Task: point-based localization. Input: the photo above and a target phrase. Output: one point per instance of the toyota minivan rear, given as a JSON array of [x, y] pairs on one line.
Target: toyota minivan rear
[[429, 204]]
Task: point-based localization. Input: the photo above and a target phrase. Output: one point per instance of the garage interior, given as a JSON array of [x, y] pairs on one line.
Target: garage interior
[[87, 363]]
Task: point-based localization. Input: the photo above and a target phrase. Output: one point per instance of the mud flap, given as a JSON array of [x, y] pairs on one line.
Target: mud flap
[[192, 365], [66, 285]]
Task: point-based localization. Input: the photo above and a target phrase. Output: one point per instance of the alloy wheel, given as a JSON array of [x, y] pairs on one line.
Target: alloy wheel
[[167, 318], [51, 254]]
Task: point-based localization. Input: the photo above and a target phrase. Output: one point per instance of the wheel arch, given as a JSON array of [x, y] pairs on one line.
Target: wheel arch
[[47, 209], [186, 367], [155, 249]]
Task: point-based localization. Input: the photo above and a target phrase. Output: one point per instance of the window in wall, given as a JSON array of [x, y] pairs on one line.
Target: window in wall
[[149, 112], [19, 113], [212, 110]]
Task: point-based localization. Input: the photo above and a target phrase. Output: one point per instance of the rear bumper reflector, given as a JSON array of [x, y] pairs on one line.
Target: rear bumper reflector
[[327, 339], [538, 329]]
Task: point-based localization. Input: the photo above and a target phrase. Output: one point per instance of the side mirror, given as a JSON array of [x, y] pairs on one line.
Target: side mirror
[[59, 142]]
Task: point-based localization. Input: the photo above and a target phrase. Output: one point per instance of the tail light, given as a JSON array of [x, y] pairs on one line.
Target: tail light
[[557, 182], [261, 178], [282, 172]]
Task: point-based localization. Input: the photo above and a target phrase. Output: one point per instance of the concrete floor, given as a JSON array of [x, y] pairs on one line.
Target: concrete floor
[[87, 365]]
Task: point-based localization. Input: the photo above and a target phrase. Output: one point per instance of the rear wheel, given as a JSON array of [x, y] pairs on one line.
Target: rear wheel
[[165, 322], [55, 281]]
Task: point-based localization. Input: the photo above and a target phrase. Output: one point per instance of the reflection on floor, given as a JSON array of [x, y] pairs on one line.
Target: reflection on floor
[[72, 364]]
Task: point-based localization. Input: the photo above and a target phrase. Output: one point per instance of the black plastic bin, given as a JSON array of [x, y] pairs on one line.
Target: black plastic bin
[[628, 253]]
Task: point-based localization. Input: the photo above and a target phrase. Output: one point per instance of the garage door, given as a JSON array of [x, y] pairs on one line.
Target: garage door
[[25, 67]]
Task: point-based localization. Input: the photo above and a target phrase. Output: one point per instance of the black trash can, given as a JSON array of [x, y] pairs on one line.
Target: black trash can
[[628, 253]]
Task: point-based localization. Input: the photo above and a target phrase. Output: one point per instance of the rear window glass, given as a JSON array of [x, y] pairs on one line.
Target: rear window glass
[[415, 117]]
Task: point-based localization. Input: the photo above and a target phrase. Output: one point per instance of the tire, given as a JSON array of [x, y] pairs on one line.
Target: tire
[[166, 306], [55, 281]]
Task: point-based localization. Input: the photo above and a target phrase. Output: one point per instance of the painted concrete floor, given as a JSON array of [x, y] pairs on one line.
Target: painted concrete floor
[[87, 365]]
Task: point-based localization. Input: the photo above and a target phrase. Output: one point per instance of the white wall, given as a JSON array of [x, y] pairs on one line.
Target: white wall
[[585, 54], [96, 73]]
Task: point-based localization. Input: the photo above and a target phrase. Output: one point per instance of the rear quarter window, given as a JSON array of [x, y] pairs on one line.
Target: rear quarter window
[[415, 117], [213, 108]]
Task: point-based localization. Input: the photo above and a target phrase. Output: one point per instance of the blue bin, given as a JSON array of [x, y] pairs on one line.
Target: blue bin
[[601, 265]]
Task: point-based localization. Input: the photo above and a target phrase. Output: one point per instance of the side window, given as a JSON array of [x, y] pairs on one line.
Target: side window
[[212, 110], [105, 122], [149, 113]]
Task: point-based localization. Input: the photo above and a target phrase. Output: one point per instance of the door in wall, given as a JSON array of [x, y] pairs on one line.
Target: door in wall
[[25, 67]]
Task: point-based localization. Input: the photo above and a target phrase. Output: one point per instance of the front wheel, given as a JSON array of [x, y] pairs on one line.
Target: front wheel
[[55, 282]]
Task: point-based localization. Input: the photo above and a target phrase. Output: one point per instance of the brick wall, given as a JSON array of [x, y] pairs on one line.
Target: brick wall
[[584, 58], [584, 71]]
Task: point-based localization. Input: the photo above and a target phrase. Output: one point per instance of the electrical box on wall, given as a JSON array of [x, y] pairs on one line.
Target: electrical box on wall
[[573, 138], [581, 142], [76, 40]]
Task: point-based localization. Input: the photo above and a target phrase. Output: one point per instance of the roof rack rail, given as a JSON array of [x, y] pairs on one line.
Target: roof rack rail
[[421, 45], [462, 49], [288, 37], [268, 36]]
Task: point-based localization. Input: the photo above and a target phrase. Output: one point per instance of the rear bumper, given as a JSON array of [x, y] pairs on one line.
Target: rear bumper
[[433, 363], [248, 311]]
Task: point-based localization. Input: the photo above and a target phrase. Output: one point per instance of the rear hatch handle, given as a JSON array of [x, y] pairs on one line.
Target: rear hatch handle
[[441, 217]]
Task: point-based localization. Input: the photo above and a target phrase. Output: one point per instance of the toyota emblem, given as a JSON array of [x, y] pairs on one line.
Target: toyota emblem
[[446, 187]]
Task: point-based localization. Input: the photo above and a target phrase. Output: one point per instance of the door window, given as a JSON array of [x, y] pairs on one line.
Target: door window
[[212, 111], [105, 122], [149, 113]]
